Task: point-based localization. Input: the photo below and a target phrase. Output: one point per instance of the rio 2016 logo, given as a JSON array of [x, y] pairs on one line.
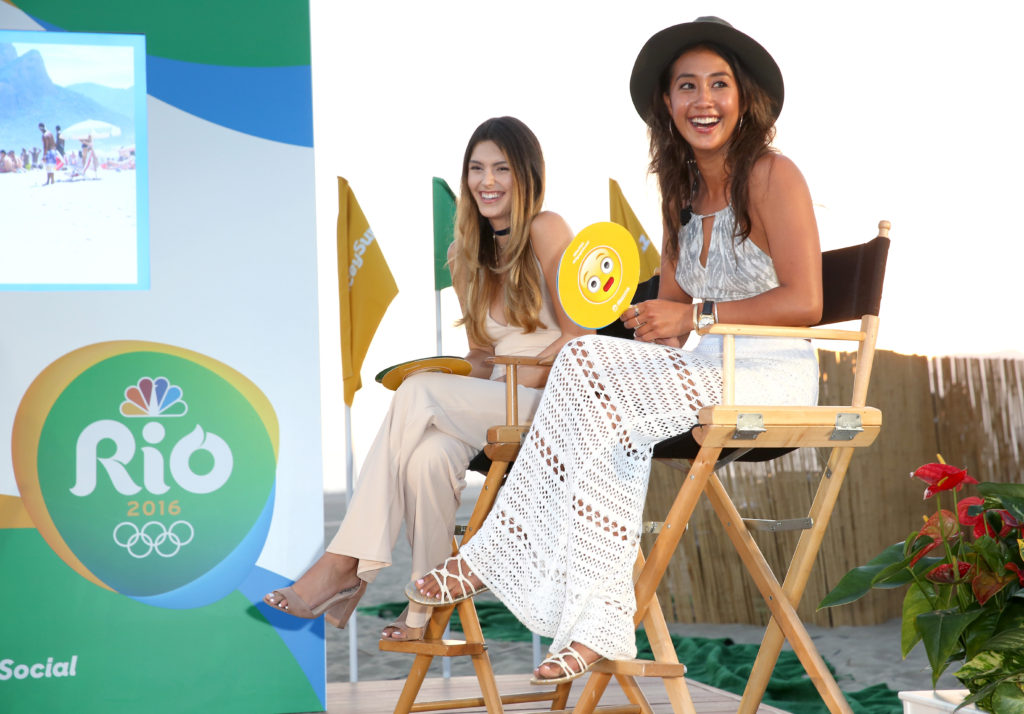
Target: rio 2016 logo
[[149, 469]]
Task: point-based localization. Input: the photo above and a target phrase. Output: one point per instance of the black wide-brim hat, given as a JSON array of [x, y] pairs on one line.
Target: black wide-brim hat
[[664, 47]]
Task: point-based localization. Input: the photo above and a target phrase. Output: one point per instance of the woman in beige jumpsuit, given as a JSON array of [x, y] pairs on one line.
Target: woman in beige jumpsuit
[[504, 265]]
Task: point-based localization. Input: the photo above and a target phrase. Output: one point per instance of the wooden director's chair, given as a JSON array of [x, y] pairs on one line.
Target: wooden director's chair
[[852, 281]]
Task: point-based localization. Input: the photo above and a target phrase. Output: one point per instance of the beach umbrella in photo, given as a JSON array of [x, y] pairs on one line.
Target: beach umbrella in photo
[[91, 127]]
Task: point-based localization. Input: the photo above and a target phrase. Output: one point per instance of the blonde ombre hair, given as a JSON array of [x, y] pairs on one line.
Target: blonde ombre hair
[[476, 264]]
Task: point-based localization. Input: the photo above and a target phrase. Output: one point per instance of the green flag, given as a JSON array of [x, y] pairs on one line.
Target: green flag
[[444, 232]]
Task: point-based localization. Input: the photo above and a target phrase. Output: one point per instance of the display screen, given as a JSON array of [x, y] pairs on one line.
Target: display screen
[[73, 173]]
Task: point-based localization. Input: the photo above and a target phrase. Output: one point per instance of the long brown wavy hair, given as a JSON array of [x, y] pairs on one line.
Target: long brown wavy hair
[[673, 160], [476, 263]]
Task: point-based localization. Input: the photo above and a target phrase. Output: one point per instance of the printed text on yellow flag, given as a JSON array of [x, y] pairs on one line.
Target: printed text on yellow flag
[[365, 286]]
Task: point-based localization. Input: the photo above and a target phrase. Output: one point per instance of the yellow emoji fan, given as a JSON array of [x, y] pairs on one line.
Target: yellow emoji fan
[[598, 274]]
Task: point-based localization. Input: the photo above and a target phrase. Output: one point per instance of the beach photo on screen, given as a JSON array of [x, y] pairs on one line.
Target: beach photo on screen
[[73, 180]]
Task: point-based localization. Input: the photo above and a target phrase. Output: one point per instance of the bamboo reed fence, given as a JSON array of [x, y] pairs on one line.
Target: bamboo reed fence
[[969, 409]]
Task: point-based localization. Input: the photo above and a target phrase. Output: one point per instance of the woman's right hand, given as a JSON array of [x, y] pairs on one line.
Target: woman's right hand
[[659, 320]]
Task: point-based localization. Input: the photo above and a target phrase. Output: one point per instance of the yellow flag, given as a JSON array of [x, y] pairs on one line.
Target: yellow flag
[[365, 286], [622, 214]]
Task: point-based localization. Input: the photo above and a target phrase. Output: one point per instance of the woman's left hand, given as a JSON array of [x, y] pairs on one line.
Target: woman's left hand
[[662, 321]]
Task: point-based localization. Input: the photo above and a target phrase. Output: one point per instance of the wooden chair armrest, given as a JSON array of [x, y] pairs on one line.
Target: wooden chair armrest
[[513, 363], [729, 332], [816, 333], [525, 361]]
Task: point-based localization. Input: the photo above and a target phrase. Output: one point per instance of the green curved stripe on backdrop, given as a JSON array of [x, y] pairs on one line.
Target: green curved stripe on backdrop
[[255, 33]]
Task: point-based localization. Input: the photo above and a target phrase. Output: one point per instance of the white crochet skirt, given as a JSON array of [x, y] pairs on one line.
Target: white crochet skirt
[[559, 545]]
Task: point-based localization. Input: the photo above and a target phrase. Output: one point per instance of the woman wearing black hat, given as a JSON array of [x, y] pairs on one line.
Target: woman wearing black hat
[[742, 244]]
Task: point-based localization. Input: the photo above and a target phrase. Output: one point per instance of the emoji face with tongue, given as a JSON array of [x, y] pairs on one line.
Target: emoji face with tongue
[[600, 274]]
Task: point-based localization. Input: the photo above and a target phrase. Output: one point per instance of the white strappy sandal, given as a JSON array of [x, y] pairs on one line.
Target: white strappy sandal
[[441, 576], [559, 660]]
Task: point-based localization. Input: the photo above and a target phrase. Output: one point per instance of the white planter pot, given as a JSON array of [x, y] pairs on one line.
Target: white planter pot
[[935, 702]]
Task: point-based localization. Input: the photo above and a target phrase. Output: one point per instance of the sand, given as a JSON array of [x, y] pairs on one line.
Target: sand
[[863, 656], [74, 231]]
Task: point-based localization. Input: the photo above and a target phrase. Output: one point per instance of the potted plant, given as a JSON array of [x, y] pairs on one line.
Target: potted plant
[[965, 572]]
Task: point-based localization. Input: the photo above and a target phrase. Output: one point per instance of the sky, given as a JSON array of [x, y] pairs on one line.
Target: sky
[[904, 111], [73, 64]]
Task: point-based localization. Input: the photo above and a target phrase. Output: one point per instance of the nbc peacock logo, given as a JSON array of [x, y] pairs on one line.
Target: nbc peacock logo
[[149, 469]]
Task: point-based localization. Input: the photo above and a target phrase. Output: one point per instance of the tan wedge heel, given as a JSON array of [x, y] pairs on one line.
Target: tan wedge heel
[[339, 613]]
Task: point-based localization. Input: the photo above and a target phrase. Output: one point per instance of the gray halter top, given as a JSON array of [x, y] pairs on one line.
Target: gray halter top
[[736, 268]]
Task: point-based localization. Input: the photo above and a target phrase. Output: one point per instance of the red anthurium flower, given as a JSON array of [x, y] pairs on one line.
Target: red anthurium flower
[[980, 523], [981, 526], [944, 573], [1016, 568], [942, 525], [942, 477]]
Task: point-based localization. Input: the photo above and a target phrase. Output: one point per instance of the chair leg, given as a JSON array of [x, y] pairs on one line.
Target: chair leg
[[672, 530], [481, 662], [664, 651], [561, 698], [467, 612], [633, 692], [797, 574], [413, 682], [782, 609], [591, 695], [418, 672]]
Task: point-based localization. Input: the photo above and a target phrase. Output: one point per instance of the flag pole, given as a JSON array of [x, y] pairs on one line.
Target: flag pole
[[437, 315], [353, 642], [365, 289]]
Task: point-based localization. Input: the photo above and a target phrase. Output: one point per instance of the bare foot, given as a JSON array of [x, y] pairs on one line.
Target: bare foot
[[330, 575], [454, 574], [551, 670]]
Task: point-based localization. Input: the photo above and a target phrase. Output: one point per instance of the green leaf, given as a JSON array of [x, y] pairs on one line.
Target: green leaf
[[856, 583], [992, 676], [1009, 640], [940, 632], [914, 603], [989, 549], [977, 635], [980, 668], [1012, 616], [1008, 698], [979, 695], [1009, 495]]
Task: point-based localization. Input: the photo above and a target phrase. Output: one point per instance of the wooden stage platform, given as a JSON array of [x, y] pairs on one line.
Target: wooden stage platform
[[379, 696]]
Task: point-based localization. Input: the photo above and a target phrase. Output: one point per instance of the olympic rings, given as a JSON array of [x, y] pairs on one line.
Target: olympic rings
[[152, 536]]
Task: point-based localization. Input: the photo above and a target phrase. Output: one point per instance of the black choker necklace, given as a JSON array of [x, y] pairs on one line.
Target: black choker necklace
[[503, 232]]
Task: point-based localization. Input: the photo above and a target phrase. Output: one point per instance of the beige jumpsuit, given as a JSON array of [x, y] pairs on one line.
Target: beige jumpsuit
[[415, 469]]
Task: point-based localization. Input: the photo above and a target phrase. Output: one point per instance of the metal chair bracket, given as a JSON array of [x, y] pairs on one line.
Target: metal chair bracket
[[788, 524], [749, 426], [847, 427]]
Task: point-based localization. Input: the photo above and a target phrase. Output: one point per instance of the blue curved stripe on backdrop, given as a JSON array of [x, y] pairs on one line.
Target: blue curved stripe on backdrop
[[273, 103], [303, 638]]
